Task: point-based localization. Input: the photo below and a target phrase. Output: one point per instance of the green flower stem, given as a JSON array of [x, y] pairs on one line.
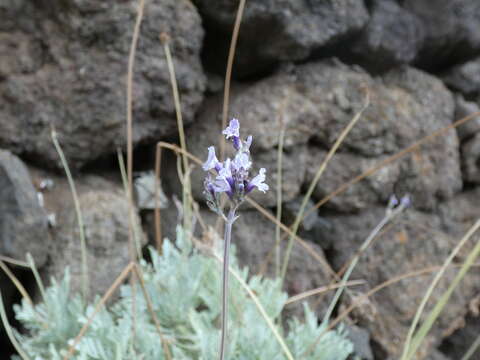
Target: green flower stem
[[226, 255]]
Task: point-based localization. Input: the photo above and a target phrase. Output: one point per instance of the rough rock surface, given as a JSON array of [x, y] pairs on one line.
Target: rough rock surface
[[67, 68], [458, 344], [471, 160], [104, 209], [393, 36], [464, 78], [23, 222], [451, 30], [465, 108], [273, 31], [417, 241]]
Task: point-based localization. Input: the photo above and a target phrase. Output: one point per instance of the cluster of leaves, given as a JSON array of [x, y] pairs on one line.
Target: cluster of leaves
[[184, 287]]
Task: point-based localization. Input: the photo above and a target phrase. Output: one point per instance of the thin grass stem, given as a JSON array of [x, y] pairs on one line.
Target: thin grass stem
[[472, 349], [14, 261], [441, 303], [9, 331], [429, 292], [158, 222], [38, 279], [136, 226], [81, 226], [315, 181], [278, 239], [16, 282], [321, 290], [228, 73], [390, 214], [186, 193]]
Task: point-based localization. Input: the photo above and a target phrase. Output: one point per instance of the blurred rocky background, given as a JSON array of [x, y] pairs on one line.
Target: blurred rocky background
[[301, 63]]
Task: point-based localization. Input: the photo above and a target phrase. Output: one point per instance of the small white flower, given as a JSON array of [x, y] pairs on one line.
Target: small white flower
[[258, 182], [232, 130], [212, 161]]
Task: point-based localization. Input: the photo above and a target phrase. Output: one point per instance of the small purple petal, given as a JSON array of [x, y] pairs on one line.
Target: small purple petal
[[241, 161], [212, 161], [405, 201], [258, 182], [233, 129], [236, 143], [248, 142]]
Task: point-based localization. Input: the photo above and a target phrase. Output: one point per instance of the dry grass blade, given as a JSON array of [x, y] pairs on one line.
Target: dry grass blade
[[158, 222], [317, 177], [138, 272], [390, 214], [9, 330], [187, 201], [389, 282], [16, 282], [321, 290], [432, 286], [128, 269], [131, 62], [442, 302], [472, 349], [14, 261], [78, 211], [38, 279], [228, 73]]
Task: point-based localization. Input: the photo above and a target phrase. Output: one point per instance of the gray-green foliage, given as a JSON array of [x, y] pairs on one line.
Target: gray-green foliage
[[184, 286]]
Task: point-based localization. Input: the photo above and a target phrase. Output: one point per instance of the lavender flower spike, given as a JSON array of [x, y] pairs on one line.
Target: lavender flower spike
[[233, 178]]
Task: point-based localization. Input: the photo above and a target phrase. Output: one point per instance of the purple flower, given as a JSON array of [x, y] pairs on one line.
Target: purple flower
[[232, 176], [232, 130], [258, 182], [212, 161]]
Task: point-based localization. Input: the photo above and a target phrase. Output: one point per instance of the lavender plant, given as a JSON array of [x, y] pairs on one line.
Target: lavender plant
[[232, 177]]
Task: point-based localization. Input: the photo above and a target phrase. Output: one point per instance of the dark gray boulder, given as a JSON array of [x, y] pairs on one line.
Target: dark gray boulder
[[67, 68], [23, 221]]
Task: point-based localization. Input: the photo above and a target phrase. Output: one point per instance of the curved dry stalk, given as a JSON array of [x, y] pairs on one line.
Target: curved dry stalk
[[315, 180], [131, 63], [131, 222], [228, 73], [472, 349], [387, 283], [321, 290], [16, 282], [14, 261], [36, 275], [9, 331], [158, 222], [432, 286], [78, 211], [187, 200]]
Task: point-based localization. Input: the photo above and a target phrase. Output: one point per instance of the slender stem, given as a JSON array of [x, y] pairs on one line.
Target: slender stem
[[76, 201], [226, 256]]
